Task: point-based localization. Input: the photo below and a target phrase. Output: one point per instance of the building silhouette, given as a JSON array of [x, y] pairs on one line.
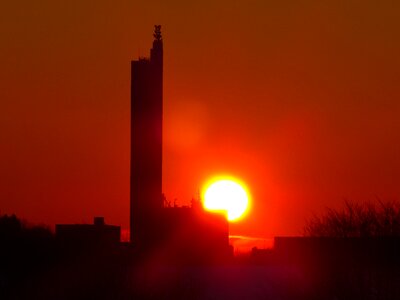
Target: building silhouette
[[177, 231], [90, 235], [146, 200]]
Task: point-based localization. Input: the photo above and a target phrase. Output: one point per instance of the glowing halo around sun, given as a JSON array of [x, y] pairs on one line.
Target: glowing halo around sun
[[226, 194]]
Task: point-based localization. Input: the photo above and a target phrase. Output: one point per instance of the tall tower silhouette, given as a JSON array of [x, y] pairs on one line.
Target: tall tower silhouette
[[146, 201], [181, 233]]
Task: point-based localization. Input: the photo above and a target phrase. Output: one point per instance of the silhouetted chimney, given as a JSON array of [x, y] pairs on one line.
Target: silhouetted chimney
[[98, 221]]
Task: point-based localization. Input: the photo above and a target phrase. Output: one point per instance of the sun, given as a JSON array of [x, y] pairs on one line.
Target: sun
[[226, 194]]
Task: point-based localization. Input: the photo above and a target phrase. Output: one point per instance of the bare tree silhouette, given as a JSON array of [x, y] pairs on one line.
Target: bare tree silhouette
[[364, 219]]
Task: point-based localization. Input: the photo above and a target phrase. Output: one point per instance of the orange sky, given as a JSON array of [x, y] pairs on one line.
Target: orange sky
[[299, 99]]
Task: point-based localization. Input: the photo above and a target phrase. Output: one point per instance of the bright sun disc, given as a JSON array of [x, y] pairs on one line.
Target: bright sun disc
[[226, 195]]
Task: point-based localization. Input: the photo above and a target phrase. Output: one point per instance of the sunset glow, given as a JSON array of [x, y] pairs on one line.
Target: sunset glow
[[226, 194]]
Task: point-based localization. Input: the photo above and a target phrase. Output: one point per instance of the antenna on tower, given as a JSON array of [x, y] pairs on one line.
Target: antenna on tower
[[157, 32]]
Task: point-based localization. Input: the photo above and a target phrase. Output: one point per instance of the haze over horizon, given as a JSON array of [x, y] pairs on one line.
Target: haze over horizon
[[298, 100]]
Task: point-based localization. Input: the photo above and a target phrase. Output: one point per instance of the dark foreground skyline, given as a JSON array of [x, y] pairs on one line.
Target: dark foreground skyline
[[305, 96], [40, 265]]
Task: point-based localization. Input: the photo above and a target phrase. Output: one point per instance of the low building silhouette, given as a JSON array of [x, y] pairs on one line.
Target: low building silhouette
[[345, 249], [96, 234]]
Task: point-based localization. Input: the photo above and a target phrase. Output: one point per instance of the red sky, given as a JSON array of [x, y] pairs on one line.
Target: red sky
[[299, 99]]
